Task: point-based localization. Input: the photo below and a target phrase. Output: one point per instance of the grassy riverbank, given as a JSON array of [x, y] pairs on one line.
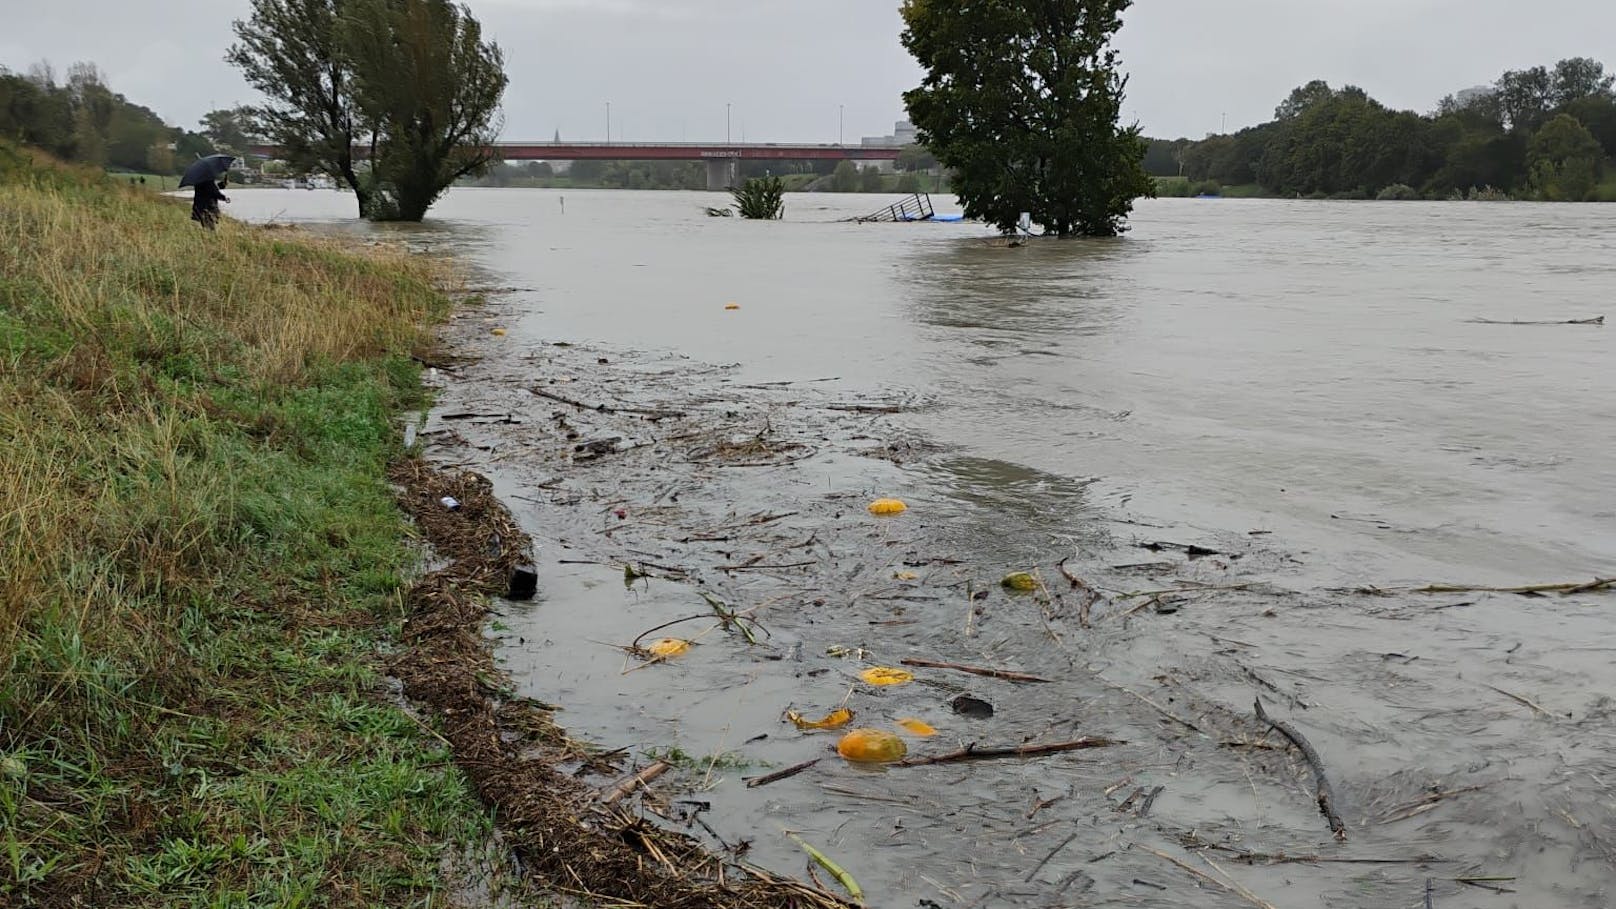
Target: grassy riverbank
[[202, 563]]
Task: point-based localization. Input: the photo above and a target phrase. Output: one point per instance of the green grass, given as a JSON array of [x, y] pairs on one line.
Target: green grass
[[203, 564]]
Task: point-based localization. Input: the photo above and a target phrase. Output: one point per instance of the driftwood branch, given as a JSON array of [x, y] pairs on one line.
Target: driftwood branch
[[1596, 320], [1595, 586], [972, 753], [1326, 795], [1090, 595], [779, 775], [626, 788], [1004, 674]]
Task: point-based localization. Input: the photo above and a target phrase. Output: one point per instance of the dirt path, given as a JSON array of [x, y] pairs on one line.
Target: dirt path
[[1464, 735]]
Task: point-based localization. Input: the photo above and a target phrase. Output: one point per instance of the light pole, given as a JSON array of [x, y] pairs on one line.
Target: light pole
[[726, 123], [841, 121], [608, 123]]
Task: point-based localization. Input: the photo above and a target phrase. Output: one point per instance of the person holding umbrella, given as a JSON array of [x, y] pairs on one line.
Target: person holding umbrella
[[209, 175]]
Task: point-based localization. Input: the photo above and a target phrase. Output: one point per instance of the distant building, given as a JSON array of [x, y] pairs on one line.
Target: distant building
[[903, 133]]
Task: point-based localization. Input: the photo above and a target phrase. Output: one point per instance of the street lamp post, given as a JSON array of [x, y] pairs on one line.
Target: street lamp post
[[608, 123], [841, 121], [726, 123]]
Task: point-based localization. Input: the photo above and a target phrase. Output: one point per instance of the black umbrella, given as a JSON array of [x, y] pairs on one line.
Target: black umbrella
[[207, 170]]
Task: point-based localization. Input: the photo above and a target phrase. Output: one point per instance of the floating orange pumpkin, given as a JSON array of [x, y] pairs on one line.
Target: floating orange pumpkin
[[886, 675], [499, 332], [871, 746], [836, 719], [906, 576], [888, 507], [732, 306], [668, 647]]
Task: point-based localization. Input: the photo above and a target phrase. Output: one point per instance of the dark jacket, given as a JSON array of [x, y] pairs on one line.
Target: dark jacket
[[205, 204]]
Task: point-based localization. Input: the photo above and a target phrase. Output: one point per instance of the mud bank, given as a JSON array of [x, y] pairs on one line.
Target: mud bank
[[1464, 733]]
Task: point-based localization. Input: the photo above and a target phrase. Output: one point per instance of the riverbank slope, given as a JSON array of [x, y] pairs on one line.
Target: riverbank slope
[[203, 563]]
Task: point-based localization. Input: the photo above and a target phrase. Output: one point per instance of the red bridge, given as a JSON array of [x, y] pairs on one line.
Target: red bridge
[[720, 158]]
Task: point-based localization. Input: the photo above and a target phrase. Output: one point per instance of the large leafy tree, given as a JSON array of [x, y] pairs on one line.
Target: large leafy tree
[[395, 98], [430, 86], [1022, 101]]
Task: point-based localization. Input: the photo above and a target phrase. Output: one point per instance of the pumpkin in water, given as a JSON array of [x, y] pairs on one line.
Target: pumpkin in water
[[888, 507], [668, 647], [871, 746], [886, 675]]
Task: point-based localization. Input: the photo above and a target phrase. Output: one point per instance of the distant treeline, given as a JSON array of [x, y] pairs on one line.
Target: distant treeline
[[82, 119], [830, 176], [1538, 133]]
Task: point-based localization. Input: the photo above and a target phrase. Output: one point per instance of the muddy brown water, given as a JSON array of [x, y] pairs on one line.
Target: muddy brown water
[[1297, 387]]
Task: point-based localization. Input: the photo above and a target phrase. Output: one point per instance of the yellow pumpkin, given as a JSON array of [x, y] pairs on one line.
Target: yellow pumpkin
[[871, 746], [918, 727], [836, 719], [732, 306], [499, 332], [886, 675], [668, 647], [888, 507], [907, 576]]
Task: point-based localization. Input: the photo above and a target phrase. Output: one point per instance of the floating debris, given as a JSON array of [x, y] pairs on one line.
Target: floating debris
[[1020, 580], [836, 719], [975, 708], [918, 727], [886, 675], [888, 507], [667, 648]]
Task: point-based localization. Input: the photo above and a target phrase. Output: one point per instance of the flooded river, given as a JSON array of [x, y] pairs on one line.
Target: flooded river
[[1305, 392]]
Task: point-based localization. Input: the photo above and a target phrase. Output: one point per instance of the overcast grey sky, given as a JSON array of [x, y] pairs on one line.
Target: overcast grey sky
[[668, 67]]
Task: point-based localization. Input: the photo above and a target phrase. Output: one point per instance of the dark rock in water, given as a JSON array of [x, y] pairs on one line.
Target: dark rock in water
[[975, 708], [524, 583]]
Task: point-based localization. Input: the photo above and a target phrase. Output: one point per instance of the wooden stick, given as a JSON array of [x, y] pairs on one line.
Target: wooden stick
[[779, 775], [1090, 595], [972, 753], [626, 788], [1326, 796], [1229, 887], [1595, 586], [1596, 320], [1005, 674], [1535, 707]]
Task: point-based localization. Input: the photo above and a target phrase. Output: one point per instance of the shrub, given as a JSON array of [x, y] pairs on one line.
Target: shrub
[[1398, 192], [761, 199]]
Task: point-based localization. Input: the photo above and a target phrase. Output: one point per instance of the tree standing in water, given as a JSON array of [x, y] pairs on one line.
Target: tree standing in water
[[411, 81], [1022, 102]]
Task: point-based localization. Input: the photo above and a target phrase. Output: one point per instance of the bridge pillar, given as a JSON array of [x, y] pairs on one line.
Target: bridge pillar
[[721, 173]]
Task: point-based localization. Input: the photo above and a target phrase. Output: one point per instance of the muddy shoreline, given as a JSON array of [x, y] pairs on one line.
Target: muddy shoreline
[[1458, 729]]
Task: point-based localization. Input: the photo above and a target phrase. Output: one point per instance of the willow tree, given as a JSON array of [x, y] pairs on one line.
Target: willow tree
[[429, 86], [1022, 102], [395, 98]]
